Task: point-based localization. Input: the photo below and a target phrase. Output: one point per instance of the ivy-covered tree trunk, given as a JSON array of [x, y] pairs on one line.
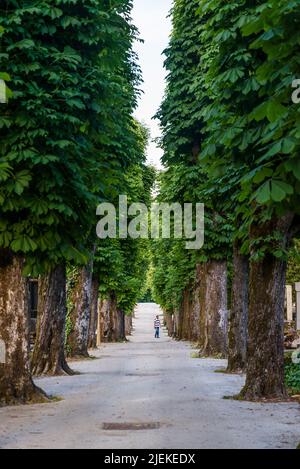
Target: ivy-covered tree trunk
[[238, 321], [92, 342], [215, 310], [265, 353], [79, 299], [49, 350], [16, 385]]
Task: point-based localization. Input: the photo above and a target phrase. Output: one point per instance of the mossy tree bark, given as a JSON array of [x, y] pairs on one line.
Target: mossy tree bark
[[92, 342], [49, 351], [80, 298], [16, 385], [215, 309], [238, 321], [265, 353]]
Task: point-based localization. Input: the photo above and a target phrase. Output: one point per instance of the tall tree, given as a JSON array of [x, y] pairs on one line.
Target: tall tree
[[122, 264], [50, 161], [255, 125], [183, 125]]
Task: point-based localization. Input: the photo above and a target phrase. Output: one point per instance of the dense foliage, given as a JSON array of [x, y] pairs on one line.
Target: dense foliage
[[292, 374], [230, 126], [74, 85], [122, 264], [293, 271]]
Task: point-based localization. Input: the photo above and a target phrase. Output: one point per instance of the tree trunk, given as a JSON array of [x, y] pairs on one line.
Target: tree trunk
[[238, 321], [16, 385], [49, 349], [128, 325], [169, 322], [186, 315], [99, 324], [177, 323], [112, 320], [117, 319], [215, 310], [121, 324], [105, 326], [180, 321], [265, 354], [92, 344], [80, 312], [196, 308], [201, 273]]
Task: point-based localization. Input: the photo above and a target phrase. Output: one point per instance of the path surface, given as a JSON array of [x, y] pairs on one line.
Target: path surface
[[148, 381]]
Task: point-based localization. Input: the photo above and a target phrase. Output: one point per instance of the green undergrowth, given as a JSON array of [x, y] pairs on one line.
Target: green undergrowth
[[292, 374]]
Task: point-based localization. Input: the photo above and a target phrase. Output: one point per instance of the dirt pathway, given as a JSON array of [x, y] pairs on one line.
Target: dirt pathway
[[151, 382]]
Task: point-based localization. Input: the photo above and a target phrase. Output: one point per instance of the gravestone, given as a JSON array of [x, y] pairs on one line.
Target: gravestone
[[297, 286], [289, 302], [2, 352]]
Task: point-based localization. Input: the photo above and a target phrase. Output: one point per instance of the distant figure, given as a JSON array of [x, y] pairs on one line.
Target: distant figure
[[157, 327]]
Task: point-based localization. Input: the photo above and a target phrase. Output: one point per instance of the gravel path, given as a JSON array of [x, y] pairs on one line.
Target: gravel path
[[148, 382]]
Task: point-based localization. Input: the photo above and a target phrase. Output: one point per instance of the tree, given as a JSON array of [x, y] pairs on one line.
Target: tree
[[251, 82], [122, 264], [50, 161], [119, 78], [184, 133], [228, 110]]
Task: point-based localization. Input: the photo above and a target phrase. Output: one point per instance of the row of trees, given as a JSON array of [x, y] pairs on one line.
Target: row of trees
[[68, 142], [231, 140]]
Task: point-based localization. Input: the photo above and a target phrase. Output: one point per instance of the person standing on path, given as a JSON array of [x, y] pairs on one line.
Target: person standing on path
[[157, 327]]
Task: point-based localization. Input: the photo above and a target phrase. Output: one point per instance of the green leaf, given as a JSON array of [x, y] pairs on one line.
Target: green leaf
[[22, 180], [24, 44], [263, 194], [5, 76], [23, 244], [280, 190], [295, 165]]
